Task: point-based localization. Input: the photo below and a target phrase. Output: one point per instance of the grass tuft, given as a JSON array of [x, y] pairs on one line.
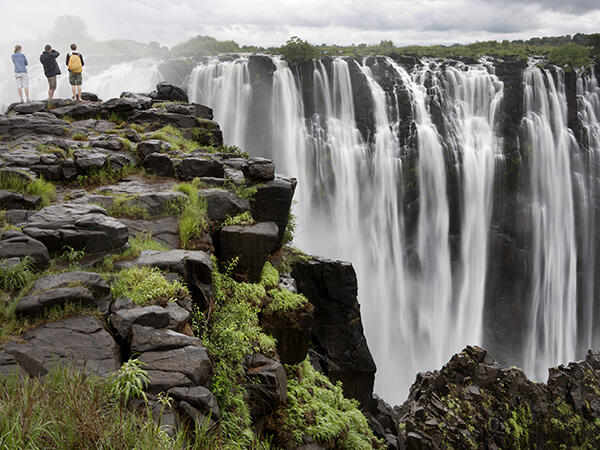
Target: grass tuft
[[16, 276], [192, 215], [243, 219], [40, 187], [144, 285]]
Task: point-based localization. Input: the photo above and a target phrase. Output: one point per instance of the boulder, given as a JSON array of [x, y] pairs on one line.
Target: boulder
[[193, 167], [260, 169], [144, 339], [12, 200], [91, 280], [162, 381], [178, 316], [338, 336], [9, 366], [79, 341], [29, 108], [89, 97], [144, 101], [35, 304], [16, 244], [80, 226], [121, 106], [108, 144], [33, 124], [86, 160], [268, 385], [220, 204], [159, 164], [77, 110], [272, 203], [146, 148], [168, 91], [150, 316], [199, 397], [162, 229], [191, 361], [251, 244]]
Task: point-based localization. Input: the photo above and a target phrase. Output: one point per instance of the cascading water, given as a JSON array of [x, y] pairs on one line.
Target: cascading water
[[225, 87], [552, 326]]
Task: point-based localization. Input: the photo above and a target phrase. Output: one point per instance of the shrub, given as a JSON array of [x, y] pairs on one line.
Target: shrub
[[244, 218], [570, 56], [269, 276], [129, 382], [317, 408], [38, 186], [285, 301], [146, 284], [297, 51]]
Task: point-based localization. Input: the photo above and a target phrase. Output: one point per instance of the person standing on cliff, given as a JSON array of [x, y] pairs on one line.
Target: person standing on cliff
[[51, 69], [75, 64], [20, 62]]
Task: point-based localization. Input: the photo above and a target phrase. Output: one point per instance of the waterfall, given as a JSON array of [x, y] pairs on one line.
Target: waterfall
[[225, 87], [552, 325]]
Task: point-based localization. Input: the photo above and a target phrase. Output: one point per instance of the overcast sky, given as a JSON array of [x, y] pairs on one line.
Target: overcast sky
[[271, 22]]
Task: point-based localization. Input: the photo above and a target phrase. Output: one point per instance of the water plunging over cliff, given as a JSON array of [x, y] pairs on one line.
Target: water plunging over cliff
[[552, 321]]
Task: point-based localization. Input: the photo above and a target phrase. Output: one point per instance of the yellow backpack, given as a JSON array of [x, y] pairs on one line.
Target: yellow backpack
[[75, 65]]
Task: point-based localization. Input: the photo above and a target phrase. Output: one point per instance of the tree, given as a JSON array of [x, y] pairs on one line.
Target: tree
[[297, 51], [570, 56]]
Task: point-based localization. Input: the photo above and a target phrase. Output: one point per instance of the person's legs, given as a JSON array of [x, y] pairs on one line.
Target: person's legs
[[79, 91], [25, 81], [51, 87], [19, 80], [20, 93], [74, 90]]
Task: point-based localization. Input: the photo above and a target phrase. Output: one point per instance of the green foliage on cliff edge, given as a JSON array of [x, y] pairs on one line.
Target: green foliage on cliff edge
[[297, 51]]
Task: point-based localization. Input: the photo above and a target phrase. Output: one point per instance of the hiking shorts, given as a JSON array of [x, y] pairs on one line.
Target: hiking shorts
[[52, 83], [22, 80], [75, 79]]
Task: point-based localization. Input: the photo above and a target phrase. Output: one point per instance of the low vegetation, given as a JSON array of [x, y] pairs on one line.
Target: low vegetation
[[191, 214], [174, 136], [15, 276], [38, 186], [105, 175], [244, 218], [137, 244], [126, 206], [283, 301], [146, 285]]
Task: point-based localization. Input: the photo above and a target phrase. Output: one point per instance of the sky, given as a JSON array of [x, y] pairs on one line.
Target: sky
[[271, 23]]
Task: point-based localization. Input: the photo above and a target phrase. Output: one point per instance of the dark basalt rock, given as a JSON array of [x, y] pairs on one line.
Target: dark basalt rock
[[144, 339], [259, 169], [16, 244], [163, 229], [150, 316], [162, 381], [76, 111], [146, 148], [251, 244], [191, 361], [36, 304], [190, 168], [268, 385], [89, 97], [91, 280], [28, 108], [200, 398], [272, 203], [168, 91], [80, 226], [331, 287], [145, 101], [221, 204], [12, 200], [158, 164], [79, 341], [32, 124]]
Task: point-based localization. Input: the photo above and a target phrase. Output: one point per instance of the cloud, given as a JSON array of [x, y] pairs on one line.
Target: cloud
[[269, 22]]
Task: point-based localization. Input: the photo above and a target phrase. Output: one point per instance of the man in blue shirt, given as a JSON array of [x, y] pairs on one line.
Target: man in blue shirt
[[20, 62]]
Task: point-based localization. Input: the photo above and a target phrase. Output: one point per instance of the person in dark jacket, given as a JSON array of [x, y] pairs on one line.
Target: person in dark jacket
[[51, 69], [75, 65]]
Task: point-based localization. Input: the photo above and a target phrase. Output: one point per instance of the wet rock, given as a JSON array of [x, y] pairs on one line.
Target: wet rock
[[80, 226], [162, 229], [79, 341], [260, 169], [272, 203], [89, 97], [86, 160], [251, 244], [144, 339], [146, 148], [35, 304], [29, 108], [192, 167], [150, 316], [191, 361], [168, 91], [220, 204], [268, 385], [159, 164], [76, 110], [16, 244], [331, 287], [91, 280], [12, 200], [144, 101], [199, 397]]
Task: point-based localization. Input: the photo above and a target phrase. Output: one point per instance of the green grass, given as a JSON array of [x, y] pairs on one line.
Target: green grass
[[70, 410], [16, 276], [79, 137], [146, 285], [241, 190], [175, 137], [244, 218], [290, 229], [40, 187], [125, 206], [191, 215], [104, 175], [284, 301], [317, 408], [137, 244]]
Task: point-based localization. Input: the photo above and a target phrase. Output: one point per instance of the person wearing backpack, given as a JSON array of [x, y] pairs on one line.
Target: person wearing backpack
[[75, 64], [20, 62], [51, 69]]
